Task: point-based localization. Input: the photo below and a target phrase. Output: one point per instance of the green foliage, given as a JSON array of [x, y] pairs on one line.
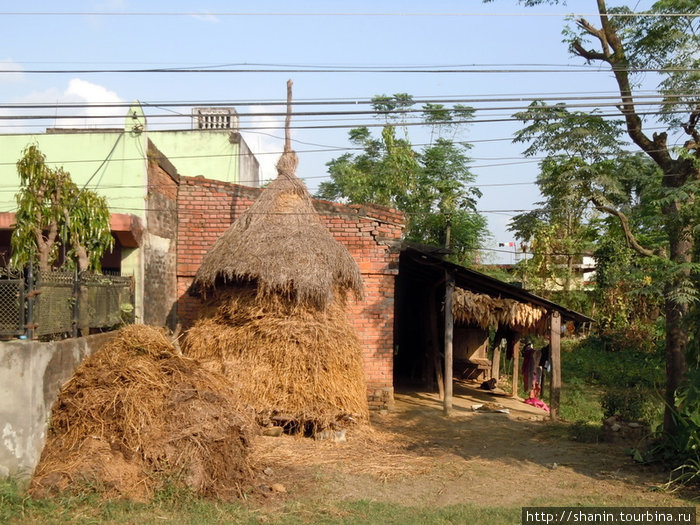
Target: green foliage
[[666, 42], [626, 403], [598, 383], [592, 362], [51, 210], [430, 186], [681, 449], [44, 194], [88, 229]]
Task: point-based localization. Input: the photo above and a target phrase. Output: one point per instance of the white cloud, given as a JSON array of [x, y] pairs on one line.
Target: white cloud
[[11, 78], [78, 91], [82, 91], [206, 17], [89, 92]]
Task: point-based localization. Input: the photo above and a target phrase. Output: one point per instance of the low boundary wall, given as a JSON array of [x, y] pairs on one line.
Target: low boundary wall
[[31, 375]]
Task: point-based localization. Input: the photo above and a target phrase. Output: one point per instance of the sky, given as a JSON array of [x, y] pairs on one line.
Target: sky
[[496, 57]]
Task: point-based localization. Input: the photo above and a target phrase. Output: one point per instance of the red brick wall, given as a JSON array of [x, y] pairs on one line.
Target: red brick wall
[[372, 234]]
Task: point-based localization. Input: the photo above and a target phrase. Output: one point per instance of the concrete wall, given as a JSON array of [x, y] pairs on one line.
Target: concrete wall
[[160, 243], [31, 375], [121, 178], [207, 152], [372, 234]]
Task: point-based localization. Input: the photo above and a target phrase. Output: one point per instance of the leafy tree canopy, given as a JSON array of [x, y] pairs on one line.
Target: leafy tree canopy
[[52, 210], [662, 41], [431, 186]]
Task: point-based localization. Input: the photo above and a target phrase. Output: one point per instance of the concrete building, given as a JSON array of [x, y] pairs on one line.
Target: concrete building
[[115, 163]]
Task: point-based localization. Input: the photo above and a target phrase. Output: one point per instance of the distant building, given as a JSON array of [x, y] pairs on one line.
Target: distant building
[[115, 163]]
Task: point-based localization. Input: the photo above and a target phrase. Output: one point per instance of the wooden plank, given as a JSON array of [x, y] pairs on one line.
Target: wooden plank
[[555, 360], [449, 333]]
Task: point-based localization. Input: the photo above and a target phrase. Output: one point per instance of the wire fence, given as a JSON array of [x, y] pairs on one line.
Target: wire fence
[[62, 303]]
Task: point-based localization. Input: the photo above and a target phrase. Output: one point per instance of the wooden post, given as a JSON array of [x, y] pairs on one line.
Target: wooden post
[[496, 362], [449, 331], [31, 293], [555, 359], [516, 365]]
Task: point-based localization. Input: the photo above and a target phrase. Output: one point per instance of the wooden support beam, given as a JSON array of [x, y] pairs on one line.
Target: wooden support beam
[[516, 365], [496, 362], [555, 359], [449, 335]]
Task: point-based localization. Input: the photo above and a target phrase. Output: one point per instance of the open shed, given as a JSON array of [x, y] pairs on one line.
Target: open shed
[[443, 315]]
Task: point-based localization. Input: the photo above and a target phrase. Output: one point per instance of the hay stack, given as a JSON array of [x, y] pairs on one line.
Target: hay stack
[[296, 366], [275, 324], [281, 244], [136, 415]]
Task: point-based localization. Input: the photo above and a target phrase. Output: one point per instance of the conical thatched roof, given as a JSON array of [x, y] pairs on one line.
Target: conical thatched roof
[[281, 243]]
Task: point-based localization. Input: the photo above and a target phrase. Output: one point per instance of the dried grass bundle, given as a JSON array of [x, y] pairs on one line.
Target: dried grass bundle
[[486, 311], [281, 243], [135, 415], [288, 361]]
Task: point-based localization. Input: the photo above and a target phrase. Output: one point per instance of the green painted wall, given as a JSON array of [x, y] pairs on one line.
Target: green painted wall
[[121, 176], [200, 152]]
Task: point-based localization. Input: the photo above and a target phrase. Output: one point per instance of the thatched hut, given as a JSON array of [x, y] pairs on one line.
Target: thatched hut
[[274, 322]]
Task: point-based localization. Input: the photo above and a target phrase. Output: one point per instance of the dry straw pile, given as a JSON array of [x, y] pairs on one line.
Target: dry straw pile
[[486, 311], [135, 416], [297, 365], [276, 283]]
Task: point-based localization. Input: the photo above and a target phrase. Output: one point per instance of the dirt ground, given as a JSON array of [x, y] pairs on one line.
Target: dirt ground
[[413, 455]]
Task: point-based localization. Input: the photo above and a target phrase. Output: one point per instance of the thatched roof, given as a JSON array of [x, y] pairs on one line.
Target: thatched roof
[[485, 311], [282, 245]]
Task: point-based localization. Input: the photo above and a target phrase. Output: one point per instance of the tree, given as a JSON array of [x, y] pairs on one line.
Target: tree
[[51, 211], [666, 40], [562, 229], [88, 229], [430, 186]]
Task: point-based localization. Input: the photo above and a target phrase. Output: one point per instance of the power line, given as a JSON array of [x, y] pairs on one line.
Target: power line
[[432, 71], [436, 99], [570, 102], [399, 14]]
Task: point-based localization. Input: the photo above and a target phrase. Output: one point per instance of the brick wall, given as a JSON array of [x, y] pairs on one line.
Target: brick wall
[[372, 234]]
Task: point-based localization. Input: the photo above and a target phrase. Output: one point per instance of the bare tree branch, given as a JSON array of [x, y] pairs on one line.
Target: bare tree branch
[[624, 222], [588, 54], [599, 34]]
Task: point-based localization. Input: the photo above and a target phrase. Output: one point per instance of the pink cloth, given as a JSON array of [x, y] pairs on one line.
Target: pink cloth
[[538, 403]]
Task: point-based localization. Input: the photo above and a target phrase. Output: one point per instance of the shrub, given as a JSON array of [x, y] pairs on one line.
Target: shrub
[[628, 403]]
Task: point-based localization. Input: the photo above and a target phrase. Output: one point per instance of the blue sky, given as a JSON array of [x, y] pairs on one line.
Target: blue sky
[[389, 34]]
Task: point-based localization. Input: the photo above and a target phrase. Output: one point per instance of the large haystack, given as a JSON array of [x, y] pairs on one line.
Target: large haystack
[[275, 323], [136, 415], [294, 365]]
